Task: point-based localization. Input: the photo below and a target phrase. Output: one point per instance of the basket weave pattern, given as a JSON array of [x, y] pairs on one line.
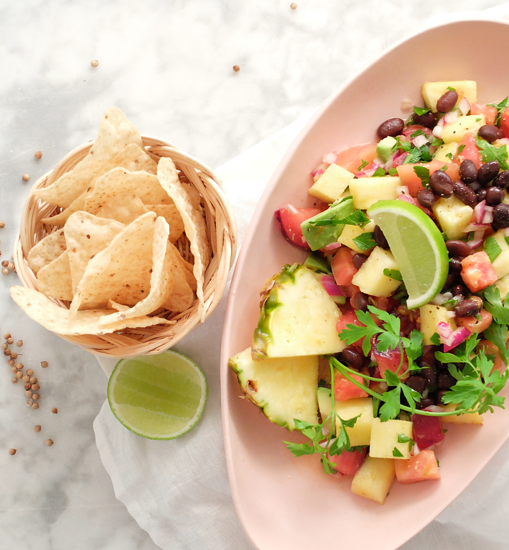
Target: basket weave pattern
[[221, 231]]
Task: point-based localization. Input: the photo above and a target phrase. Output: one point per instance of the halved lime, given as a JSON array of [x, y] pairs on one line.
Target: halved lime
[[158, 396], [418, 248]]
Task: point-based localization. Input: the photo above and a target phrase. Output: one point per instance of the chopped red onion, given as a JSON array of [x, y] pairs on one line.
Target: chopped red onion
[[332, 246], [464, 106], [475, 243], [476, 227], [330, 286], [458, 336], [439, 299], [488, 217], [292, 209], [479, 211], [406, 198], [451, 116], [420, 140], [330, 158]]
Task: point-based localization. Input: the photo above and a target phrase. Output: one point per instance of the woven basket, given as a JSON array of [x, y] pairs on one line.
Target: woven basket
[[221, 230]]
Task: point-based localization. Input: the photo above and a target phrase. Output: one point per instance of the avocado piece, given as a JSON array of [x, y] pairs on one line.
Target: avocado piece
[[318, 263], [384, 148], [317, 236]]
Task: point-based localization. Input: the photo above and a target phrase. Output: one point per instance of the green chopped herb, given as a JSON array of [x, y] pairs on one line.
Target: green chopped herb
[[449, 156], [418, 133], [436, 142], [420, 111], [393, 172], [402, 438], [393, 274], [363, 165], [492, 248], [423, 174], [435, 339], [402, 145], [460, 149], [379, 173], [506, 239], [490, 153], [450, 89], [366, 241], [500, 107], [396, 453]]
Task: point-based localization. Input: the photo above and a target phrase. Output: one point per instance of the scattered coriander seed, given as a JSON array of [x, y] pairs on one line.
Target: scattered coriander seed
[[12, 451], [19, 375], [10, 340], [38, 155], [7, 335], [19, 343], [37, 428], [236, 68], [30, 402], [30, 372], [26, 177], [5, 271], [293, 5], [35, 406], [27, 385], [26, 379], [19, 366], [44, 364], [49, 442], [4, 346], [33, 380], [35, 387], [13, 355], [5, 263], [28, 393], [36, 396], [54, 410], [10, 267], [14, 380], [2, 225], [11, 362], [7, 352], [14, 370], [94, 63]]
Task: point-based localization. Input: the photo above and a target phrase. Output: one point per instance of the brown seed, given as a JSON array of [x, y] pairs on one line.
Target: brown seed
[[10, 341], [5, 263], [44, 364], [35, 396], [30, 402], [35, 406], [27, 385], [12, 451], [4, 346], [26, 177], [19, 366], [37, 428], [5, 271], [35, 387], [293, 5], [38, 155], [14, 370], [236, 68], [28, 393], [33, 380], [94, 63], [14, 355], [11, 362], [14, 380], [49, 442], [30, 372], [2, 225], [19, 343], [7, 335], [26, 379], [7, 352], [54, 410], [19, 375], [10, 267]]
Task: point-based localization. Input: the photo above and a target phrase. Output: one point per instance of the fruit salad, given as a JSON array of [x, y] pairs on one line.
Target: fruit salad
[[396, 322]]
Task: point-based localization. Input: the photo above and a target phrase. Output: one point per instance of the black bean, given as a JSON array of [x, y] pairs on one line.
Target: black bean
[[429, 376], [475, 186], [502, 180], [490, 133], [494, 195], [428, 355], [455, 265], [427, 119], [440, 395], [416, 383], [468, 171], [464, 193], [501, 215], [445, 380], [459, 290], [458, 248], [428, 402], [380, 239], [467, 308], [450, 281], [390, 127], [360, 301], [358, 260], [447, 101], [487, 172], [481, 195], [353, 358], [426, 198], [441, 184]]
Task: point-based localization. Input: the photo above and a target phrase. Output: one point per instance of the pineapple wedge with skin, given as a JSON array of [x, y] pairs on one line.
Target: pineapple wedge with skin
[[332, 184], [432, 91], [374, 479], [453, 216], [297, 317], [283, 389]]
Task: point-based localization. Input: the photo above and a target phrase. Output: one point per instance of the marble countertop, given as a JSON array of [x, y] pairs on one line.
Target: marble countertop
[[168, 66]]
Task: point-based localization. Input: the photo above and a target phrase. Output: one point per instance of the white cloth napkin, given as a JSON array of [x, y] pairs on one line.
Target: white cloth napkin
[[178, 491]]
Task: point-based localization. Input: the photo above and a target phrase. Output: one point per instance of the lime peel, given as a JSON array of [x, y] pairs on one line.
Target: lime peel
[[417, 246], [158, 396]]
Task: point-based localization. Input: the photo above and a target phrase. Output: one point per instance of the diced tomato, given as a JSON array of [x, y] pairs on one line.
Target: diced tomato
[[290, 219], [476, 325], [470, 150], [387, 304], [409, 178], [427, 431], [390, 360], [409, 130], [504, 123], [350, 290], [348, 462], [490, 113], [342, 266], [345, 390], [353, 157], [421, 467], [490, 349], [477, 272]]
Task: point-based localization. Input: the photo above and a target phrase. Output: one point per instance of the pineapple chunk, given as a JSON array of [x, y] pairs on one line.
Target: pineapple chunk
[[374, 479], [325, 405], [444, 150], [283, 389], [371, 279], [350, 232], [367, 191], [432, 91], [384, 438], [331, 184], [472, 418], [455, 131], [453, 216], [430, 317], [297, 317], [503, 286], [360, 434]]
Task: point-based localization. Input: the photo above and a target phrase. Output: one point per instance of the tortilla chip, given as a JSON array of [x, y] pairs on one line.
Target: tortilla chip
[[171, 214], [86, 235], [118, 307], [193, 221], [134, 159], [115, 133], [46, 250], [194, 196], [60, 219], [52, 317], [54, 279], [122, 271], [182, 296], [190, 278], [119, 181], [164, 266], [123, 208]]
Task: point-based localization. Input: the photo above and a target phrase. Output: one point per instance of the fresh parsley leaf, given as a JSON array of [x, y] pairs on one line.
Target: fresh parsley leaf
[[460, 149], [420, 111], [492, 248], [366, 241], [402, 438], [397, 453], [420, 154], [402, 145], [392, 404], [418, 133], [423, 174], [363, 165], [478, 119], [506, 239], [493, 304], [358, 218], [435, 339], [379, 173], [444, 168], [490, 153], [497, 334], [450, 156], [436, 142], [501, 107], [450, 89], [411, 396], [393, 172], [393, 274]]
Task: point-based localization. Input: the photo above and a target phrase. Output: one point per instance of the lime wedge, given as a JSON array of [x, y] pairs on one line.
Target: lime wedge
[[418, 248], [158, 396]]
